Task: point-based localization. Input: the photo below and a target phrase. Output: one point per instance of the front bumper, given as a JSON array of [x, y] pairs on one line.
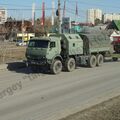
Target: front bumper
[[40, 62]]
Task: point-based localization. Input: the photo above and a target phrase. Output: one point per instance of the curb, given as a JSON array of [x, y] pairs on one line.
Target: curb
[[3, 67]]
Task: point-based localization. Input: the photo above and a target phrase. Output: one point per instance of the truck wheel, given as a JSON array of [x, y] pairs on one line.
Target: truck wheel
[[100, 59], [56, 67], [70, 64], [115, 59], [92, 61]]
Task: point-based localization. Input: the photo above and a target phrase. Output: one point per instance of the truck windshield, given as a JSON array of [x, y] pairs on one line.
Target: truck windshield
[[38, 43]]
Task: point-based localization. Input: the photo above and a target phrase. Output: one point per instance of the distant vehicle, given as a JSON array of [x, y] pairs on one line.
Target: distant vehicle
[[21, 43], [116, 46]]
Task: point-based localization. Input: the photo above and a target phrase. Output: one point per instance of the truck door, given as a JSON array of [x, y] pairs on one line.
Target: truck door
[[54, 49]]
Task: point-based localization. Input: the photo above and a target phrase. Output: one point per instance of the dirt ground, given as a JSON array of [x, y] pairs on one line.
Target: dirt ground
[[108, 110], [9, 52]]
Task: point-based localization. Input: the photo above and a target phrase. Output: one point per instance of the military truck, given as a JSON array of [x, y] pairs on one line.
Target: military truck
[[67, 51]]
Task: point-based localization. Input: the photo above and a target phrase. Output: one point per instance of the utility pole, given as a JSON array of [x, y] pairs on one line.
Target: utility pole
[[33, 16], [53, 12], [59, 16], [23, 28], [64, 9]]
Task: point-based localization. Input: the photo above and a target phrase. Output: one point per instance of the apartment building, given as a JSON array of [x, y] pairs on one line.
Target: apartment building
[[3, 15], [110, 17], [93, 14]]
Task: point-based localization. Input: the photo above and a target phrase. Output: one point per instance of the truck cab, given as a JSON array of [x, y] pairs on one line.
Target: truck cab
[[42, 51]]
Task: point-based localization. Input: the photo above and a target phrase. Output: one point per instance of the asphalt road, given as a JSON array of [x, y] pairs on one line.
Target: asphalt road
[[26, 96]]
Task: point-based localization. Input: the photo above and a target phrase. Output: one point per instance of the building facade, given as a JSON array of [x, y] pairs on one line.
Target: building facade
[[93, 14], [110, 17], [3, 15]]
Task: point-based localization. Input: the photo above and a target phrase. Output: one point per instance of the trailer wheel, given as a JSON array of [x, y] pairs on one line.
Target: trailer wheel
[[115, 59], [100, 59], [56, 67], [92, 61], [70, 64]]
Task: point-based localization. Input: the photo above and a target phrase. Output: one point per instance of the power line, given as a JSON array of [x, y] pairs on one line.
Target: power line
[[25, 7], [89, 4], [28, 9], [1, 4], [68, 1], [16, 5]]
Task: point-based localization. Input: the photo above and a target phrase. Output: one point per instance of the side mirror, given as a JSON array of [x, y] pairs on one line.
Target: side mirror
[[52, 44]]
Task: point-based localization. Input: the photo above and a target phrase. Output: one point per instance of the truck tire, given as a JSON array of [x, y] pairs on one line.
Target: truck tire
[[100, 59], [70, 64], [92, 62], [115, 59], [56, 67]]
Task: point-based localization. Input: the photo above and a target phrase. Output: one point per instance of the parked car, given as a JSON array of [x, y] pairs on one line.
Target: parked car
[[21, 43]]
